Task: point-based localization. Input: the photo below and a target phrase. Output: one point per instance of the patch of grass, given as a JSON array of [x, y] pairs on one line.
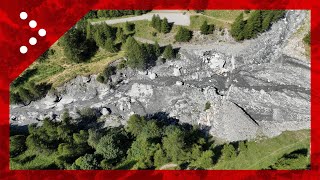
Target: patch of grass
[[197, 20], [225, 15], [220, 18], [265, 152], [95, 66], [57, 69], [144, 30]]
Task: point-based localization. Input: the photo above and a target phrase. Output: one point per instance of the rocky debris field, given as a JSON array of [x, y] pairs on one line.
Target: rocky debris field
[[236, 91]]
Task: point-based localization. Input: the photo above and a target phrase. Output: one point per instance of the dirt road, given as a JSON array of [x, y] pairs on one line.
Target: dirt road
[[176, 17]]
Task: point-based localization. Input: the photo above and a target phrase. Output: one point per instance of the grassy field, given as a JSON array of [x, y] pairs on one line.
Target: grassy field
[[265, 152], [57, 69], [225, 15], [145, 31], [220, 18]]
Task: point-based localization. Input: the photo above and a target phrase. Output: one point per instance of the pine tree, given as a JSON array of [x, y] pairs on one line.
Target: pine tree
[[257, 21], [228, 152], [254, 25], [108, 31], [121, 37], [135, 54], [153, 21], [157, 23], [129, 26], [204, 28], [237, 28], [165, 27], [168, 52], [157, 49], [99, 38], [109, 46], [77, 47], [183, 35], [266, 22]]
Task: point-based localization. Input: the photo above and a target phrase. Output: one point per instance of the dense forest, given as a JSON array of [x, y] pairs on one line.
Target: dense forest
[[150, 142]]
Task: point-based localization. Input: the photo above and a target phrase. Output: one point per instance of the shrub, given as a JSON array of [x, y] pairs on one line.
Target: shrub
[[121, 64], [108, 72], [129, 27], [204, 28], [307, 38], [17, 145], [183, 35], [207, 105], [100, 78], [168, 52]]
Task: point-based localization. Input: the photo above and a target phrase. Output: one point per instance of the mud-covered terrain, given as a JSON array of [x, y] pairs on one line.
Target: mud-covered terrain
[[253, 88]]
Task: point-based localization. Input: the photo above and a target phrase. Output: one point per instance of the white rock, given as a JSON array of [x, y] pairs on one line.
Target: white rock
[[143, 72], [179, 83], [105, 111], [152, 75], [176, 72]]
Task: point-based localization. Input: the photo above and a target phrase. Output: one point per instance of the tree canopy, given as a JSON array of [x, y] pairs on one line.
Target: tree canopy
[[258, 22], [77, 47], [135, 54], [183, 35]]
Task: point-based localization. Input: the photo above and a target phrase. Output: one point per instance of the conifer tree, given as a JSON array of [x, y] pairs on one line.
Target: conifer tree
[[158, 23], [168, 52], [165, 27], [157, 49], [153, 21], [237, 28], [129, 26], [254, 25], [121, 37], [183, 35], [204, 28], [135, 54], [99, 38], [109, 46], [266, 22]]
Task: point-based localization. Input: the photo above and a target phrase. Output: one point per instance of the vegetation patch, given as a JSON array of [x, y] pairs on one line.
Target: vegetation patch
[[146, 143], [259, 21]]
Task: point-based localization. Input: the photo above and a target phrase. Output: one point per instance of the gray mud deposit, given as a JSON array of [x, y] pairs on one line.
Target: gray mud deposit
[[253, 88]]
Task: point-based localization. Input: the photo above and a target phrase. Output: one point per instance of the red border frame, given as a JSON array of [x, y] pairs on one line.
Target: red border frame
[[57, 16]]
